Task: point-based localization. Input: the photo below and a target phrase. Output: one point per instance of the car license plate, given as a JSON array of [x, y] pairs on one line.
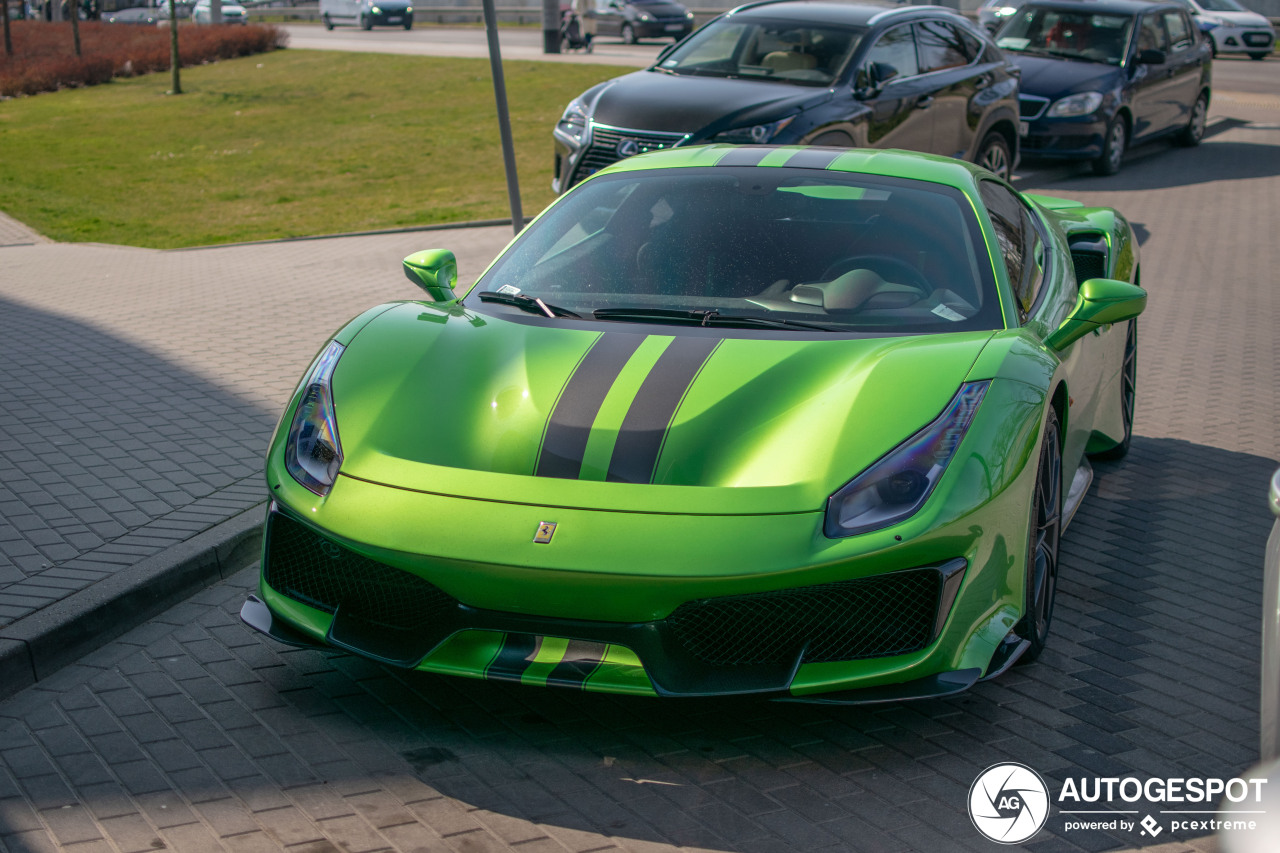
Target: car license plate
[[1024, 128], [394, 20], [673, 28]]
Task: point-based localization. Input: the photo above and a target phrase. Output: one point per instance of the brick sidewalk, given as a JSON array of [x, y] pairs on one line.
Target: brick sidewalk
[[153, 378]]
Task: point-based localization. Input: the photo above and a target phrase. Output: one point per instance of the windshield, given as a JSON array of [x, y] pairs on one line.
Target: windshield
[[808, 54], [1221, 6], [1069, 33], [814, 250]]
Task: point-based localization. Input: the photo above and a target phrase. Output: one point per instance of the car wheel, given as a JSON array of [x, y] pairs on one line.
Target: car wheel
[[1042, 545], [328, 23], [994, 156], [408, 25], [629, 34], [1113, 144], [1190, 136], [366, 23], [1258, 56], [1128, 394]]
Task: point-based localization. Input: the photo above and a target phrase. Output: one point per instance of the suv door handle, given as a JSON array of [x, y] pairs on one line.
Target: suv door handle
[[923, 102]]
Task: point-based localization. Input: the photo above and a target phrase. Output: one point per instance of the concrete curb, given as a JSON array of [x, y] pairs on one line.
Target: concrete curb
[[34, 648]]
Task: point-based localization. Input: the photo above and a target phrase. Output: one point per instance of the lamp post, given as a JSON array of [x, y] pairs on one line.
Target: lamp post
[[504, 118]]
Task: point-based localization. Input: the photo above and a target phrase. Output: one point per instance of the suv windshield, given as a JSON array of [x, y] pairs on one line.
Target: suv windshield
[[1068, 33], [804, 54], [797, 248]]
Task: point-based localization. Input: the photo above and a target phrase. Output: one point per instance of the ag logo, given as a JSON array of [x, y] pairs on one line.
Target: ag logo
[[628, 148], [1008, 803]]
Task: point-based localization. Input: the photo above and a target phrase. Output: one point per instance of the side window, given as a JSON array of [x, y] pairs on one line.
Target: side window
[[1151, 34], [1179, 30], [1020, 243], [940, 46], [896, 48]]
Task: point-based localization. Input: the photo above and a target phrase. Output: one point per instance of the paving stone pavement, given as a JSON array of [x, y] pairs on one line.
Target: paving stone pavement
[[191, 732]]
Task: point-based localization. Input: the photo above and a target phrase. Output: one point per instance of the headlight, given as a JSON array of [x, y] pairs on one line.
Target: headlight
[[1076, 105], [1207, 24], [375, 10], [689, 15], [1004, 11], [573, 124], [756, 134], [895, 487], [644, 16], [313, 453]]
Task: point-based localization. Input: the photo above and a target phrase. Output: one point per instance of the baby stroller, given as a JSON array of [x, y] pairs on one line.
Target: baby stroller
[[571, 35]]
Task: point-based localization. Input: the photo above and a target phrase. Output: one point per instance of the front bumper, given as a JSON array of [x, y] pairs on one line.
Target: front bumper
[[676, 28], [1227, 39], [1064, 138], [392, 17]]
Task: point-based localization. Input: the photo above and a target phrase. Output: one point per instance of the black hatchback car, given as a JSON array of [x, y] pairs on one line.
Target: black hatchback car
[[809, 72], [1100, 75]]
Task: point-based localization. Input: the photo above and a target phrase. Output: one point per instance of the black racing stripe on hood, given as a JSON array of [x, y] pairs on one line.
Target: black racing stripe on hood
[[744, 157], [514, 658], [570, 424], [814, 158], [581, 659], [645, 426]]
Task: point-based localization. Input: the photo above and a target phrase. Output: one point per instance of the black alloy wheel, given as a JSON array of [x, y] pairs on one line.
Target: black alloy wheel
[[1190, 136], [994, 156], [1042, 547], [1128, 394], [1113, 145]]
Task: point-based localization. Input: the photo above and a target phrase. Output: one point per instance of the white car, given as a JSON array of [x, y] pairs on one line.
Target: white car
[[232, 13], [1231, 28]]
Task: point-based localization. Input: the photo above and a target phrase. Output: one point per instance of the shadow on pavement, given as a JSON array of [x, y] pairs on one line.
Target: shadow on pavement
[[1151, 671]]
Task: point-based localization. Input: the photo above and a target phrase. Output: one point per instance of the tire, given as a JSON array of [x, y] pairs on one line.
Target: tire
[[1258, 56], [408, 24], [328, 22], [629, 34], [1041, 582], [1128, 394], [366, 23], [1190, 136], [1113, 145], [994, 155], [835, 139]]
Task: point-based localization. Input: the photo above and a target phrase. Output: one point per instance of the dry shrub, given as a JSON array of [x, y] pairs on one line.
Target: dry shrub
[[44, 55]]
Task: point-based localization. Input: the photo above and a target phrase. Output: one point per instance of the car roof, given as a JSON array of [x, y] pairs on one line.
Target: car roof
[[1125, 7], [862, 13], [888, 163]]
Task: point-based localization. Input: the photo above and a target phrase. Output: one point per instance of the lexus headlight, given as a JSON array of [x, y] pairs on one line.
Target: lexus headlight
[[573, 124], [1083, 104], [313, 453], [895, 487], [754, 135]]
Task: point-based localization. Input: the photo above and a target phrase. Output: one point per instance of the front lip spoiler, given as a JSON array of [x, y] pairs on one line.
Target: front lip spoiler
[[257, 615]]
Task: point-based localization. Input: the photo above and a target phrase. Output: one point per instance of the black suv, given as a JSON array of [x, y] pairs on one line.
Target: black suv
[[809, 72], [1098, 75]]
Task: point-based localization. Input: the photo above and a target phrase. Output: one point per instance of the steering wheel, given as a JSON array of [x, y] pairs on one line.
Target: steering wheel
[[891, 269]]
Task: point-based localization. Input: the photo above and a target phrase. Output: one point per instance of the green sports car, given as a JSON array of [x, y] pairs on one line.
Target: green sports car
[[797, 422]]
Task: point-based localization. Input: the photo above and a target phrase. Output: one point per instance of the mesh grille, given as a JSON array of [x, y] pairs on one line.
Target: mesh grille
[[309, 568], [870, 617], [604, 146], [1031, 107], [1088, 265]]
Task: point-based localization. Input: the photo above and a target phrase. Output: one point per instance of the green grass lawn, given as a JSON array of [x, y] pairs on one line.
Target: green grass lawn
[[284, 144]]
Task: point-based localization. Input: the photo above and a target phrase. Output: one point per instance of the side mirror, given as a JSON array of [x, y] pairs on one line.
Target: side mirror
[[1152, 56], [1101, 301], [435, 271], [872, 78]]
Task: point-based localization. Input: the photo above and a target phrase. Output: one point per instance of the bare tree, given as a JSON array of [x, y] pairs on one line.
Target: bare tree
[[73, 9], [8, 39]]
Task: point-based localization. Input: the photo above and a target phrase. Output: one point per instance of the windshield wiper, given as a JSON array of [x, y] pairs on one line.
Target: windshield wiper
[[702, 317], [532, 304]]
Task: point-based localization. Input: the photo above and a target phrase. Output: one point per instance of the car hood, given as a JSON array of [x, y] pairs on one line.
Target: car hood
[[631, 417], [1052, 78], [1239, 19], [655, 100]]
